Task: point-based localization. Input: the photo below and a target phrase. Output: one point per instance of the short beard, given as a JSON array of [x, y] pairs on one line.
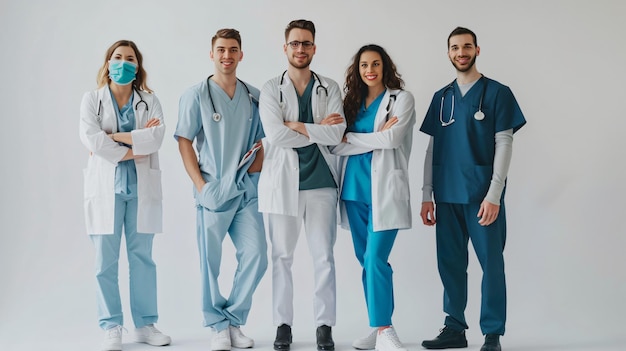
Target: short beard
[[471, 64], [302, 66]]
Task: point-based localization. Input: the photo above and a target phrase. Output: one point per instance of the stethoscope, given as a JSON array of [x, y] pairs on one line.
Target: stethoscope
[[317, 90], [478, 115], [216, 115], [141, 101], [392, 100]]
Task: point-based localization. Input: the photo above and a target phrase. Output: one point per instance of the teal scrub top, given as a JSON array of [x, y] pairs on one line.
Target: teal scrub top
[[125, 172], [357, 181], [463, 151], [314, 171]]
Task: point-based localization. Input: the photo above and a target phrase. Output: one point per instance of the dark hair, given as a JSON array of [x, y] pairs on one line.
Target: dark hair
[[302, 24], [460, 31], [226, 33], [141, 76], [356, 90]]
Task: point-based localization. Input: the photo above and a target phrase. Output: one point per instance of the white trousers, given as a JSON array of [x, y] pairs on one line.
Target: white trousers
[[318, 210]]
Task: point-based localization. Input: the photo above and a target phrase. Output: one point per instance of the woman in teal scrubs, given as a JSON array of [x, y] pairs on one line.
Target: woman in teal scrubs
[[375, 189]]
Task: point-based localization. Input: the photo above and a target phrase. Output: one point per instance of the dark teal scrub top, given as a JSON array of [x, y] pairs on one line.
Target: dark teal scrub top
[[314, 171], [463, 151]]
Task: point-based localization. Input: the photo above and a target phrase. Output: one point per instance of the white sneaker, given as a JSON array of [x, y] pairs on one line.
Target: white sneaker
[[112, 339], [221, 340], [387, 340], [150, 335], [366, 343], [238, 340]]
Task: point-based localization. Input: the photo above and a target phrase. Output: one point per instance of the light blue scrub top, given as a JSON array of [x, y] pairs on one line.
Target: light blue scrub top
[[357, 182], [126, 172], [220, 144], [463, 151]]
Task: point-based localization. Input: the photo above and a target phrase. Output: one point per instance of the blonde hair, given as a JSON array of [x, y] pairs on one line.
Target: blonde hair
[[141, 77]]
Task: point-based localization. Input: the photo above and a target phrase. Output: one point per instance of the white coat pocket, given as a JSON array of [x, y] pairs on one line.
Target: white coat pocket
[[398, 184]]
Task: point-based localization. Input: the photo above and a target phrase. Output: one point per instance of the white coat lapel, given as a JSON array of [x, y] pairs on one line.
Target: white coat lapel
[[108, 117]]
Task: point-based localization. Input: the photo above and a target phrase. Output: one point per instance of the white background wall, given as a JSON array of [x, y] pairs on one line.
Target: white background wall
[[564, 60]]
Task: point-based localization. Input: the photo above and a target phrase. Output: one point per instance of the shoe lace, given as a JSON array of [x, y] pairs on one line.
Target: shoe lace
[[445, 331], [393, 337], [153, 329], [115, 332]]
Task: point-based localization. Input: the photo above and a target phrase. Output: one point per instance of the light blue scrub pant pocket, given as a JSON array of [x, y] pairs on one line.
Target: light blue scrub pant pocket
[[143, 296]]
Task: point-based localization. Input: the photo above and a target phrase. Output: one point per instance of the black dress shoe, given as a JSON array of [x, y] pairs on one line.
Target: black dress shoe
[[447, 339], [492, 343], [283, 338], [325, 338]]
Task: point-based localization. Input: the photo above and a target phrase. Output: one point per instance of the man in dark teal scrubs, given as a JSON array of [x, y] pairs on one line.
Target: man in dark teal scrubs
[[471, 122]]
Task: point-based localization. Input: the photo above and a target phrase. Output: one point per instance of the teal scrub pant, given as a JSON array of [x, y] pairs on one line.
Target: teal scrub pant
[[143, 294], [456, 225], [372, 249], [240, 218]]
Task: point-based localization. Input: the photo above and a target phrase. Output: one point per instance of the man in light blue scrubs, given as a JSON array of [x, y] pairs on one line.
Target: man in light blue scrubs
[[471, 122], [221, 114]]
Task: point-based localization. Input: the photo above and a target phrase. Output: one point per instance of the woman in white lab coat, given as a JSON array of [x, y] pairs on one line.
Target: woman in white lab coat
[[374, 194], [121, 125]]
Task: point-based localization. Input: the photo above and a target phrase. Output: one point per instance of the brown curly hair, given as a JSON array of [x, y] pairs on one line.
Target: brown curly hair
[[355, 89]]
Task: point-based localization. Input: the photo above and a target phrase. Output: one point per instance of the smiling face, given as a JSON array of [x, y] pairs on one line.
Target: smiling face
[[463, 52], [299, 57], [371, 69], [226, 55]]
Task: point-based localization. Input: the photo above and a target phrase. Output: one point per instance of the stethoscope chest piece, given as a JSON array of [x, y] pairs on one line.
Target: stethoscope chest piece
[[217, 117], [479, 115]]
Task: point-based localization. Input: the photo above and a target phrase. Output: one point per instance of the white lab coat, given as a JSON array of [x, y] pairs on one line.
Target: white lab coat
[[280, 178], [391, 206], [104, 155]]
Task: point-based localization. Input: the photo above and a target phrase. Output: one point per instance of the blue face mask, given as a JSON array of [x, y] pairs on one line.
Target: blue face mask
[[122, 72]]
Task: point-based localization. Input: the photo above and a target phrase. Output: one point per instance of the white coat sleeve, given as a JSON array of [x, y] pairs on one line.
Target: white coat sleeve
[[148, 140], [393, 137], [92, 136], [329, 134], [272, 119], [345, 149]]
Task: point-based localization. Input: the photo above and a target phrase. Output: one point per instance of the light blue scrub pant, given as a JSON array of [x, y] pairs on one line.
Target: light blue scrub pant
[[456, 224], [241, 219], [372, 249], [143, 292]]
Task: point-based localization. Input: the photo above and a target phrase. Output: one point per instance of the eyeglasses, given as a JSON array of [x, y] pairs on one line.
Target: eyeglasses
[[296, 44]]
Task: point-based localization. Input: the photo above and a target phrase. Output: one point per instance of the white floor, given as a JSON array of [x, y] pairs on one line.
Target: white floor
[[198, 339]]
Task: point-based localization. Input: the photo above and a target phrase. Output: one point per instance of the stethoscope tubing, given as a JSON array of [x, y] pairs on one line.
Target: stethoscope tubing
[[216, 115], [317, 90], [478, 115], [141, 100]]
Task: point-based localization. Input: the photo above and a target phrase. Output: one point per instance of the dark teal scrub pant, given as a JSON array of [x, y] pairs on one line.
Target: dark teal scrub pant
[[456, 224]]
